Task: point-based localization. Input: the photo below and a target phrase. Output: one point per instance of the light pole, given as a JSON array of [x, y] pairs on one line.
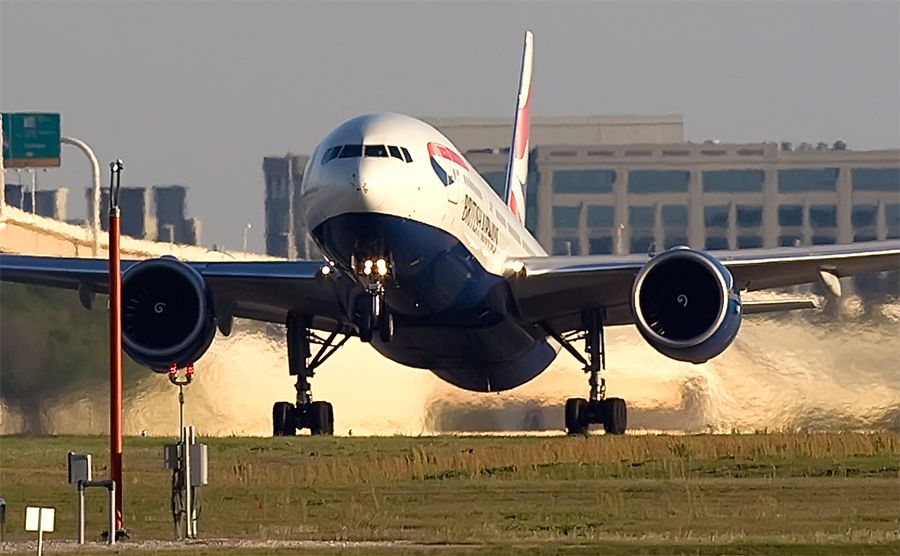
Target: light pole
[[247, 227], [33, 186], [95, 174]]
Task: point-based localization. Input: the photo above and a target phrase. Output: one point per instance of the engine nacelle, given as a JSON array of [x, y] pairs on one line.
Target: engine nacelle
[[167, 314], [685, 306]]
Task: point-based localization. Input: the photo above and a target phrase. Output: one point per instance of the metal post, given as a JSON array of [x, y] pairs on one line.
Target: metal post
[[188, 498], [33, 187], [115, 345], [40, 531], [114, 518], [95, 176], [80, 512], [2, 175]]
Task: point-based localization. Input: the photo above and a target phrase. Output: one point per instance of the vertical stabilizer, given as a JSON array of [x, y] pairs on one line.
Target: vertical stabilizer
[[517, 171]]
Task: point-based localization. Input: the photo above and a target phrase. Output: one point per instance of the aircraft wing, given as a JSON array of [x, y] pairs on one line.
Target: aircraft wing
[[558, 288], [265, 290]]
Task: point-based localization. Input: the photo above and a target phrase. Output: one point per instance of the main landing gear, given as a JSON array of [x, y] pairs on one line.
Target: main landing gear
[[317, 416], [612, 413]]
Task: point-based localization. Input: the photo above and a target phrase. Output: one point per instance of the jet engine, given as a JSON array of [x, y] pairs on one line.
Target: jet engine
[[685, 305], [167, 314]]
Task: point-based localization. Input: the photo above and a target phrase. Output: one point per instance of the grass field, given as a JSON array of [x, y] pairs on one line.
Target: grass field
[[739, 494]]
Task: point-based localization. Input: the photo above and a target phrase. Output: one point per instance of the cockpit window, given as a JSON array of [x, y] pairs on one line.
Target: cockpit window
[[406, 154], [351, 151], [395, 152], [376, 150], [330, 154]]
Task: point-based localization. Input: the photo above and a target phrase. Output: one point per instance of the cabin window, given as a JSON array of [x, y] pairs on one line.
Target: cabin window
[[330, 154], [351, 151], [406, 155], [378, 151], [395, 152]]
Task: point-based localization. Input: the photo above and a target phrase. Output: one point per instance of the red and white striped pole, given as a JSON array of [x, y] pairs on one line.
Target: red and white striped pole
[[115, 340]]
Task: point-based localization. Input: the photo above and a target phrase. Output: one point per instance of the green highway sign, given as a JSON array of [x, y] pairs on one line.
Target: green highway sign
[[31, 140]]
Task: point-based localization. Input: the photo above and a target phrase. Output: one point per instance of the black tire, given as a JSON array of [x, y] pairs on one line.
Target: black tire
[[320, 417], [615, 416], [386, 327], [576, 416], [366, 329], [283, 419]]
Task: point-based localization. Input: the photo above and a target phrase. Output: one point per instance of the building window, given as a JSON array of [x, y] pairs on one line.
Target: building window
[[749, 216], [801, 180], [823, 240], [600, 216], [789, 241], [565, 217], [716, 243], [892, 219], [733, 181], [790, 215], [600, 245], [565, 246], [675, 239], [715, 216], [865, 237], [658, 181], [641, 244], [863, 216], [876, 179], [531, 198], [749, 242], [674, 216], [641, 217], [823, 216], [583, 181]]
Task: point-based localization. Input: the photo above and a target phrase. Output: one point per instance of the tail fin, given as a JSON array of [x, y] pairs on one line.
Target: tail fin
[[517, 171]]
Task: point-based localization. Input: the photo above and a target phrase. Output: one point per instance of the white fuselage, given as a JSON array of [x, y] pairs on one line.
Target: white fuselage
[[390, 186], [467, 208]]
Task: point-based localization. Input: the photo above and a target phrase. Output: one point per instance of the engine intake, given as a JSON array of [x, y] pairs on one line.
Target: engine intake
[[167, 314], [685, 306]]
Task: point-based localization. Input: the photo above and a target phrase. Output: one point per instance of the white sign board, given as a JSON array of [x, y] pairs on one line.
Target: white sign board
[[39, 519]]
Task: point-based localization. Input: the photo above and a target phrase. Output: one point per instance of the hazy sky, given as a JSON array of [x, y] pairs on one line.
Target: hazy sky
[[198, 92]]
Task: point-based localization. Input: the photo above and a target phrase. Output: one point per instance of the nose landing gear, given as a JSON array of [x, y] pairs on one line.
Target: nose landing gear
[[372, 314]]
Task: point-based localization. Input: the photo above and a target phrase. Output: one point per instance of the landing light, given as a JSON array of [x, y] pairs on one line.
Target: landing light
[[326, 270], [517, 266], [381, 265]]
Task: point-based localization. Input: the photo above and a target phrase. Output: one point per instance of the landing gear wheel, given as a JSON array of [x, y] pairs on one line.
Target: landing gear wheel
[[320, 418], [366, 329], [386, 327], [614, 415], [576, 416], [283, 419]]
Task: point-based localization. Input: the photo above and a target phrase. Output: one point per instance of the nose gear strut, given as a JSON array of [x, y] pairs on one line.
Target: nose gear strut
[[372, 313]]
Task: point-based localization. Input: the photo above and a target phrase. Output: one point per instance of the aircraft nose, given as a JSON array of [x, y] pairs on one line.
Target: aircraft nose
[[372, 183]]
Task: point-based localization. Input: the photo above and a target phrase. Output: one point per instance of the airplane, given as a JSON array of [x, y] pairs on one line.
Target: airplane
[[434, 270]]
